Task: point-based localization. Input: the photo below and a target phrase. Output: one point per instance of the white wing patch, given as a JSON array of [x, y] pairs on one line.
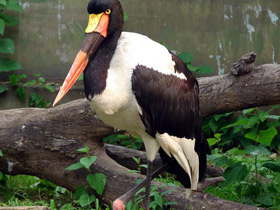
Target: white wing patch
[[136, 49], [183, 150]]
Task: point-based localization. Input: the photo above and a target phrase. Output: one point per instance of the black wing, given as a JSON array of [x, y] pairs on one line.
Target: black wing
[[171, 105]]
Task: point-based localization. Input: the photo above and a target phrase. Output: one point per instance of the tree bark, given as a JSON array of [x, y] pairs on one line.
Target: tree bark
[[43, 142], [227, 93]]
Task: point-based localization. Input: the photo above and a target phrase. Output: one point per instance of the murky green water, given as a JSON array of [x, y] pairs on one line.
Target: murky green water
[[217, 33]]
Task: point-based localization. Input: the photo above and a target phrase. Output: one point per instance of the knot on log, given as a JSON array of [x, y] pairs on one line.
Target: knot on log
[[243, 66]]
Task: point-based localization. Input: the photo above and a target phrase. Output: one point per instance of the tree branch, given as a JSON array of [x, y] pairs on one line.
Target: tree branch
[[43, 142]]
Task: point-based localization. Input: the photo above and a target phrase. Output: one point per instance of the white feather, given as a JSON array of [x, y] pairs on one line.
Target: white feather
[[184, 152]]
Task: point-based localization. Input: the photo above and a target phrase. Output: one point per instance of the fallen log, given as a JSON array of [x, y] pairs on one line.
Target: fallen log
[[254, 87], [43, 142]]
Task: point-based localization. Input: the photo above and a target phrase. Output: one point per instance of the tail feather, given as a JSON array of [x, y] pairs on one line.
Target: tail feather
[[183, 150]]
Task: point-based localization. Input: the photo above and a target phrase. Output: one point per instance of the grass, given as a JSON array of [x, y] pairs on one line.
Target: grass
[[23, 190]]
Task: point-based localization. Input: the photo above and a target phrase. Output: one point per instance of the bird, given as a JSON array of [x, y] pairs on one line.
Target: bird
[[136, 84]]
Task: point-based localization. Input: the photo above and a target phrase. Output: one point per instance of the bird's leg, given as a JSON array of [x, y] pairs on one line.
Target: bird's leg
[[119, 203], [148, 185]]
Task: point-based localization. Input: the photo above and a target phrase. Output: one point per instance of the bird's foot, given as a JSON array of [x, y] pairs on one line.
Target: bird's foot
[[118, 205]]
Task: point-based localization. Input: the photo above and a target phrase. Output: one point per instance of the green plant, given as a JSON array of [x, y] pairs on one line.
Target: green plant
[[96, 181], [156, 196], [157, 200], [124, 140], [187, 58], [6, 44], [247, 144], [34, 100]]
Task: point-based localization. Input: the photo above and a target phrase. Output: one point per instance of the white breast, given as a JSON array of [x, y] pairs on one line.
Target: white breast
[[116, 105]]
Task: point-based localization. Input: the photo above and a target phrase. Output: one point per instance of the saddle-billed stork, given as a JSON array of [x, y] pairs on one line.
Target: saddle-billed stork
[[136, 84]]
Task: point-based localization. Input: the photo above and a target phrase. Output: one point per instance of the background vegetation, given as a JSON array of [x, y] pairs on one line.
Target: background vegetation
[[245, 144]]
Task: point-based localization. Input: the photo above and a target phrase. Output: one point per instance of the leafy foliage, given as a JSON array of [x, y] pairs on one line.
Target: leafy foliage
[[187, 58], [96, 181], [34, 100], [124, 140], [6, 44], [243, 144]]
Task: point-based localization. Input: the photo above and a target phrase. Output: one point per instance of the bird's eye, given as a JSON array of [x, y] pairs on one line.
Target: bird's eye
[[108, 11]]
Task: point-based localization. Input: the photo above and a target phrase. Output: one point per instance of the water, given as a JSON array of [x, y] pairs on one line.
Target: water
[[217, 33]]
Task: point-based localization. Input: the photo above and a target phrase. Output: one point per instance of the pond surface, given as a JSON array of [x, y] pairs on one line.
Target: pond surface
[[217, 33]]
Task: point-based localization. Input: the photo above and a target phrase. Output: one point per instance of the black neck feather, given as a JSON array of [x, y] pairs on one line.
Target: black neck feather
[[95, 74]]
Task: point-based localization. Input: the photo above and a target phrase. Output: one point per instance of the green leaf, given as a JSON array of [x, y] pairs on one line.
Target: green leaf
[[1, 175], [222, 160], [137, 160], [218, 116], [80, 190], [7, 46], [212, 141], [1, 153], [49, 88], [13, 5], [81, 77], [214, 125], [235, 173], [125, 17], [274, 117], [265, 199], [239, 122], [248, 111], [42, 80], [97, 182], [143, 166], [15, 78], [266, 136], [167, 191], [192, 68], [257, 150], [75, 166], [84, 150], [7, 64], [205, 70], [52, 204], [272, 166], [9, 20], [20, 92], [3, 88], [86, 200], [218, 135], [261, 115], [2, 26], [158, 200], [251, 135], [132, 171], [87, 162], [30, 83], [3, 2], [186, 57], [253, 120]]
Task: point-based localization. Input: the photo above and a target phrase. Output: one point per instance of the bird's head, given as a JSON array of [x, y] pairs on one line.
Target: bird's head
[[105, 18]]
